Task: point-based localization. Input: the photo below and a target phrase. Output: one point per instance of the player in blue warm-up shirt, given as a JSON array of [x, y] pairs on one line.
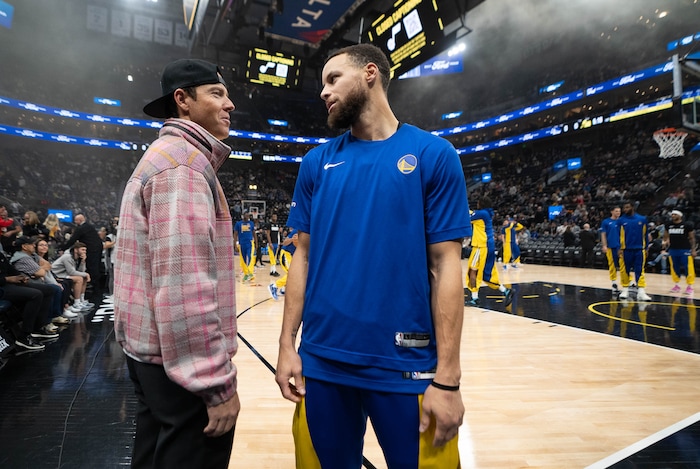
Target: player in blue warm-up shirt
[[381, 313]]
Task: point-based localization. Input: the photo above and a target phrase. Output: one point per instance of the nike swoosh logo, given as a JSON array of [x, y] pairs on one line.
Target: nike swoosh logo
[[332, 165]]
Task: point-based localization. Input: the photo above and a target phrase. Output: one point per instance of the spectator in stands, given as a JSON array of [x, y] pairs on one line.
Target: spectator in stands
[[72, 264], [587, 239], [9, 229], [55, 235], [569, 237], [657, 252], [689, 186], [30, 302], [24, 263], [681, 202], [32, 227], [41, 256], [670, 201], [87, 234], [108, 242]]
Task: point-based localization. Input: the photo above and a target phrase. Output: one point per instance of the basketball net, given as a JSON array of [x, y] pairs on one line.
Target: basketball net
[[670, 142]]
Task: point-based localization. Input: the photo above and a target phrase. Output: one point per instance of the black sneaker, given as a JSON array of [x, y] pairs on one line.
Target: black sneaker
[[508, 297], [28, 343]]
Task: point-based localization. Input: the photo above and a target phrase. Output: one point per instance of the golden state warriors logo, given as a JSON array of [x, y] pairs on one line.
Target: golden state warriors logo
[[407, 164]]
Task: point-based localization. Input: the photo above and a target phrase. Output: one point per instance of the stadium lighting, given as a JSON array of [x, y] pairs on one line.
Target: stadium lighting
[[456, 49]]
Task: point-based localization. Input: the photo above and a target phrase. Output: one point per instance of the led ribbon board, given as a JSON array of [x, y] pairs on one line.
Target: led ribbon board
[[409, 34], [273, 68]]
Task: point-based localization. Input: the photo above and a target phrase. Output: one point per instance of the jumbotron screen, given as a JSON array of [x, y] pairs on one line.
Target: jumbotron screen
[[273, 68], [409, 34]]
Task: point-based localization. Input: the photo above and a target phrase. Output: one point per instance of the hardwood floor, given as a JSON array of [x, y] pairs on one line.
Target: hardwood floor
[[537, 394]]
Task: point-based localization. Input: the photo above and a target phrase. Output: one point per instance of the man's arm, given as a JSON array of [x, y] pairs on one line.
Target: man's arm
[[289, 369], [691, 238], [17, 228], [447, 305], [269, 238]]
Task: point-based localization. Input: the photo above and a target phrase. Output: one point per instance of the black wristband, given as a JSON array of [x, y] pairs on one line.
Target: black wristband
[[444, 387]]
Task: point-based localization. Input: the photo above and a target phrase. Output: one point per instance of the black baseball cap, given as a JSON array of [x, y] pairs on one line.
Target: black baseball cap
[[182, 73], [22, 240]]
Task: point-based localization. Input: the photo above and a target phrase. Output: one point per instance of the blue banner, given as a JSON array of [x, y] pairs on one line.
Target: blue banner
[[308, 21], [7, 11]]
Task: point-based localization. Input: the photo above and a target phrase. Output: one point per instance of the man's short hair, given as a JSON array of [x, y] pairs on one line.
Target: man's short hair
[[362, 54], [485, 202], [79, 245]]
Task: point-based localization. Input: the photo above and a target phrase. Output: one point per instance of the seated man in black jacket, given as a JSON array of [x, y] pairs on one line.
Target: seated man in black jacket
[[32, 302]]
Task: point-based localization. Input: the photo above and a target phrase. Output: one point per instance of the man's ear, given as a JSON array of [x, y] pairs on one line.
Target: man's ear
[[180, 98], [372, 74]]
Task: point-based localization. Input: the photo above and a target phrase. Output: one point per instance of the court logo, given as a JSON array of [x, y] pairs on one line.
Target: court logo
[[407, 164]]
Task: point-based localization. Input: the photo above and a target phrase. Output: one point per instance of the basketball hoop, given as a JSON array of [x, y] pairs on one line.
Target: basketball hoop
[[670, 142]]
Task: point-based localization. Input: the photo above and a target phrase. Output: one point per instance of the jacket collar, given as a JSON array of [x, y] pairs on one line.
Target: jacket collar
[[214, 149]]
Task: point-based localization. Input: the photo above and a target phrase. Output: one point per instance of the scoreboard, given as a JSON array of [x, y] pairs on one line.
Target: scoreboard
[[411, 33], [273, 68]]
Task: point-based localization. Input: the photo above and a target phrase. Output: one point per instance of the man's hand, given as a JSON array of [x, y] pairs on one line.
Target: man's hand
[[222, 417], [17, 279], [446, 409], [288, 376]]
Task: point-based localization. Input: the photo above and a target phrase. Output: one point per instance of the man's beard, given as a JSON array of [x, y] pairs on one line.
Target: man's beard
[[348, 112]]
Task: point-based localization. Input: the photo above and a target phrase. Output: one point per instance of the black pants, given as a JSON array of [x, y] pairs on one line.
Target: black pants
[[587, 257], [29, 300], [169, 424]]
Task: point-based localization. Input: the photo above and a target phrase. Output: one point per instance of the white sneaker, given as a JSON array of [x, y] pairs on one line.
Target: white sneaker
[[642, 295], [68, 313], [624, 294]]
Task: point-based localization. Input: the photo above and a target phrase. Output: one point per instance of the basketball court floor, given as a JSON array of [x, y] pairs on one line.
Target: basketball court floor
[[566, 377]]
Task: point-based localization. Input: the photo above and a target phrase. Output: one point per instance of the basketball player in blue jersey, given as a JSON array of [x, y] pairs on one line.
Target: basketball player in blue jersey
[[679, 239], [633, 243], [288, 246], [511, 249], [482, 260], [610, 242], [381, 333], [243, 238]]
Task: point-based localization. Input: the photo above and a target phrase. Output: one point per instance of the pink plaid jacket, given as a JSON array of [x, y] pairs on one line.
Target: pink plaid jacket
[[174, 284]]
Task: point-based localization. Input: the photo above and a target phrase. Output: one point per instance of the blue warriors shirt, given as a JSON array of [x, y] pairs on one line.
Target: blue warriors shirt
[[633, 231], [366, 287], [482, 226], [611, 228], [510, 232], [290, 248], [245, 230]]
